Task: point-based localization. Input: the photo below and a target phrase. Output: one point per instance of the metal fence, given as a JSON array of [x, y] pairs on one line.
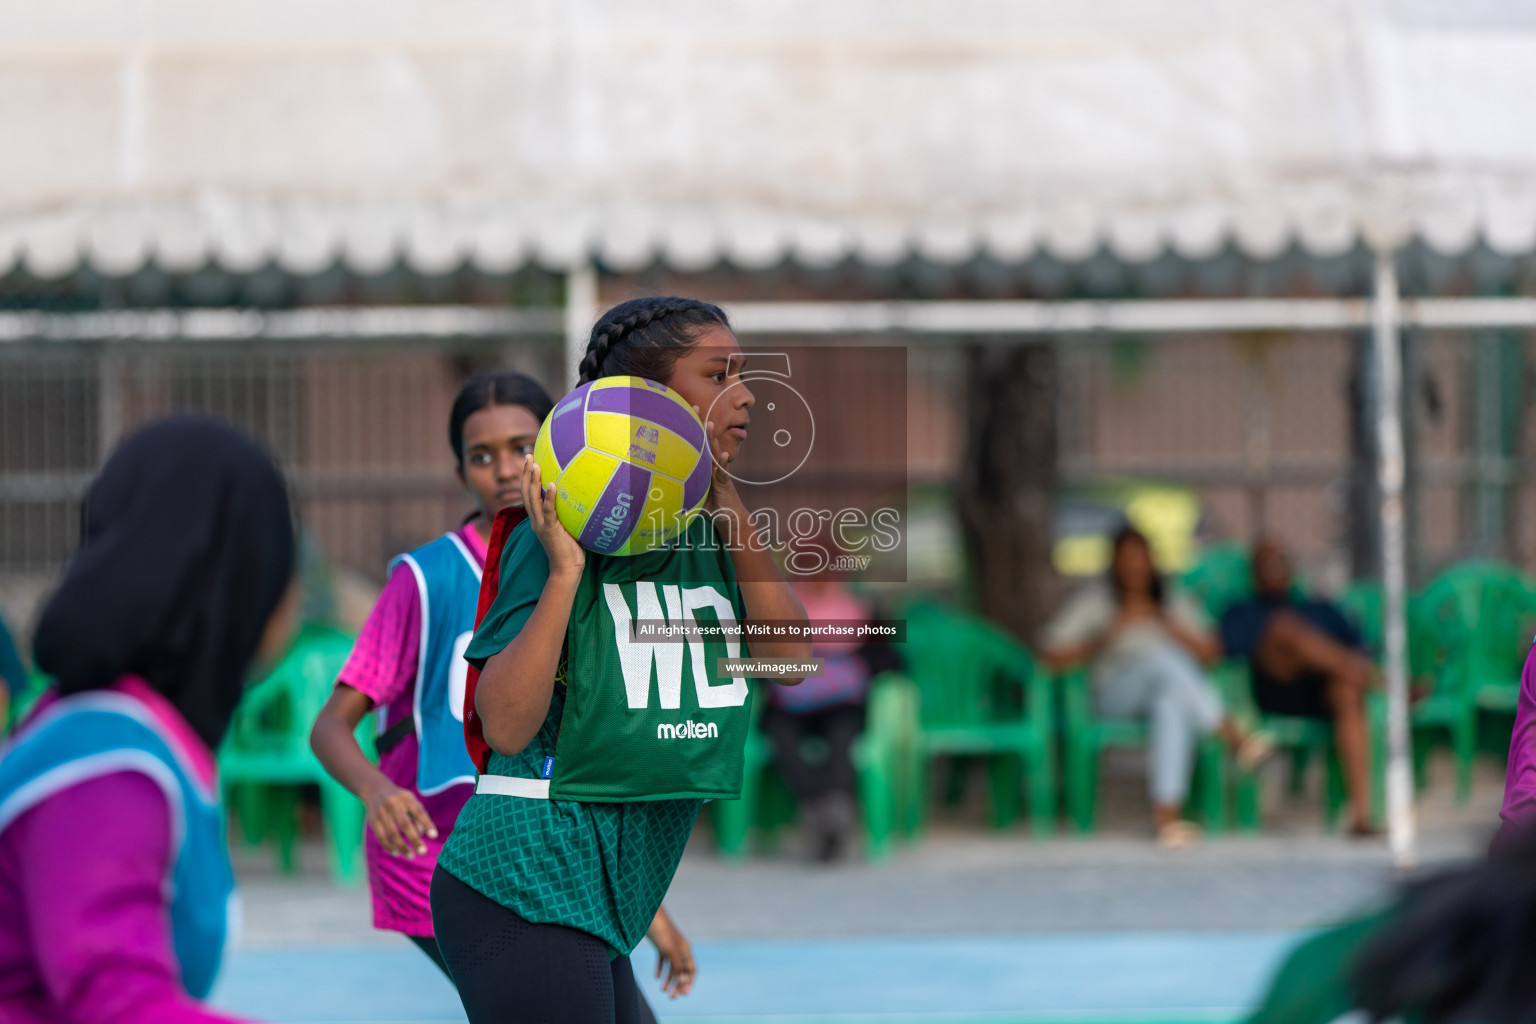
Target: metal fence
[[1274, 433], [359, 429], [1258, 425]]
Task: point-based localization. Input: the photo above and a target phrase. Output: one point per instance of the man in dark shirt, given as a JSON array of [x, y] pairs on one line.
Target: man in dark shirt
[[1308, 660]]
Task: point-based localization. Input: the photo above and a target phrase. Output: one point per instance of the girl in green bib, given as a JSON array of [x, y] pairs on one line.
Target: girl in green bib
[[603, 747]]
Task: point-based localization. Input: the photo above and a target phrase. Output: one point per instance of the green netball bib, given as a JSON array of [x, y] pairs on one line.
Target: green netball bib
[[646, 717]]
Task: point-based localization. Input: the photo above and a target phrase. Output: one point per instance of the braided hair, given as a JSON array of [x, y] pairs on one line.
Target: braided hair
[[646, 337]]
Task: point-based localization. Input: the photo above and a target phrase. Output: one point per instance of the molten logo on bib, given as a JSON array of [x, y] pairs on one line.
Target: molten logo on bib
[[689, 730]]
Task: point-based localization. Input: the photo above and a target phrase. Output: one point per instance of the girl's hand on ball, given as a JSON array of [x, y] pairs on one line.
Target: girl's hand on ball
[[559, 546]]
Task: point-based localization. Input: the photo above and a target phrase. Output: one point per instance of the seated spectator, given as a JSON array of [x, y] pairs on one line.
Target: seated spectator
[[1452, 949], [830, 706], [1145, 645], [1307, 660]]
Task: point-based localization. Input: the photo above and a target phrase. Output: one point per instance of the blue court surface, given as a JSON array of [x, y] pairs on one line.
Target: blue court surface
[[1117, 978]]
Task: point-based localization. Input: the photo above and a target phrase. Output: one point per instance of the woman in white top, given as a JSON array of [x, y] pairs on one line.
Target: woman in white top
[[1146, 648]]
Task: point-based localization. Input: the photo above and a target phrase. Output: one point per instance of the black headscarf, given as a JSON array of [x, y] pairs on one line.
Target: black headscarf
[[186, 548]]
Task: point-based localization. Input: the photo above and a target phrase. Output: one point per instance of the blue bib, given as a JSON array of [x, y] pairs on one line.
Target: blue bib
[[448, 580], [102, 732]]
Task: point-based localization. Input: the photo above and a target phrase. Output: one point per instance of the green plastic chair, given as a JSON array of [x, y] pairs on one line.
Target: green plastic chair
[[1302, 739], [266, 754], [21, 701], [1364, 604], [1476, 621], [879, 755], [980, 695], [1220, 578], [1087, 736]]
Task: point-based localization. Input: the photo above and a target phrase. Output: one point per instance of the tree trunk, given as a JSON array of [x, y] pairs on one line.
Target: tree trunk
[[1007, 483]]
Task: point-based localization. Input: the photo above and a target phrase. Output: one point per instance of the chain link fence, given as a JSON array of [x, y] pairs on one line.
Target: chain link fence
[[361, 431], [1264, 431]]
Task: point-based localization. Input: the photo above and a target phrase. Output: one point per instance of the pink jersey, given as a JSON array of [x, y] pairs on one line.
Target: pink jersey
[[383, 667], [1519, 810], [85, 934]]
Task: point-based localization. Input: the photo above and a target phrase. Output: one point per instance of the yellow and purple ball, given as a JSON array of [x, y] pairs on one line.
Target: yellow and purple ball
[[629, 463]]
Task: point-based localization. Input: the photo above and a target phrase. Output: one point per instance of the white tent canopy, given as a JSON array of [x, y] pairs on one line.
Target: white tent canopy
[[502, 132]]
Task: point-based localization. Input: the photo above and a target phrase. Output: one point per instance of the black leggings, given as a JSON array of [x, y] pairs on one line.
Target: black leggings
[[428, 945], [512, 971]]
